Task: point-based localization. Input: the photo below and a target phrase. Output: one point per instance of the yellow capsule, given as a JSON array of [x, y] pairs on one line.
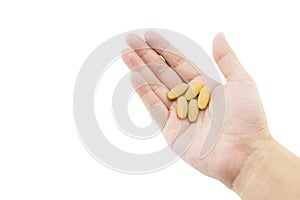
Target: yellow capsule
[[193, 91], [177, 91], [203, 98], [193, 110], [182, 107]]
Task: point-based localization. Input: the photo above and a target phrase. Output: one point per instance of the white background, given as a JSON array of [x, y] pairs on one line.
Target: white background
[[42, 47]]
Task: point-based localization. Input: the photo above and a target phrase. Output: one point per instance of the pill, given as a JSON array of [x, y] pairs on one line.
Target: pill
[[182, 107], [193, 91], [177, 91], [203, 98], [193, 110]]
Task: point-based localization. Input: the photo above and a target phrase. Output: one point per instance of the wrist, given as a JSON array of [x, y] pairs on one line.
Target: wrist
[[268, 170], [252, 166]]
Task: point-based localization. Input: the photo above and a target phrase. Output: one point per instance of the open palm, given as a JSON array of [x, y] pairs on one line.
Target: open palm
[[157, 66]]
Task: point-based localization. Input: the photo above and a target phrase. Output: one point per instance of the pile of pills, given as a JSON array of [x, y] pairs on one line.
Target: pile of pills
[[190, 99]]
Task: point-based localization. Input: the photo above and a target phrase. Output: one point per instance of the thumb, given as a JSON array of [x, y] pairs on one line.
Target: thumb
[[227, 61]]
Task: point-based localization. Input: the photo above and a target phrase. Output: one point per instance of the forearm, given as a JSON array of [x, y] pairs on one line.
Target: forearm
[[271, 172]]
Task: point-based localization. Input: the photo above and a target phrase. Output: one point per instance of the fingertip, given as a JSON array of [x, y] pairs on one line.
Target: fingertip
[[156, 41], [152, 37], [218, 37], [150, 34], [131, 37]]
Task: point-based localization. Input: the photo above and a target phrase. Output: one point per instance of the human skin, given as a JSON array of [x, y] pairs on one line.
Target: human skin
[[245, 158]]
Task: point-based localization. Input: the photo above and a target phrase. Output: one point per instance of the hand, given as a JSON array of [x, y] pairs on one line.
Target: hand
[[245, 127]]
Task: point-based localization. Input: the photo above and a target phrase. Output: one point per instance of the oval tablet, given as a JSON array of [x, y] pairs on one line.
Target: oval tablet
[[203, 98], [177, 91], [193, 90], [182, 107], [193, 110]]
